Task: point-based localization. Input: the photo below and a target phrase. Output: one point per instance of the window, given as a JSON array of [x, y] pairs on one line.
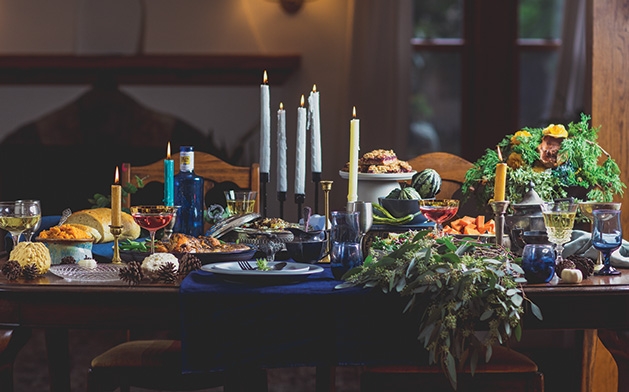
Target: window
[[480, 69]]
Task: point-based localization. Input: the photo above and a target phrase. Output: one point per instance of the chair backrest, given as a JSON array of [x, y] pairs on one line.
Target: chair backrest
[[213, 170], [451, 168]]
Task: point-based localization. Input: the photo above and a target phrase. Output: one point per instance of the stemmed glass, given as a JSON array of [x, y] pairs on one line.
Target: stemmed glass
[[28, 233], [607, 237], [18, 216], [559, 220], [439, 211], [587, 208], [152, 218]]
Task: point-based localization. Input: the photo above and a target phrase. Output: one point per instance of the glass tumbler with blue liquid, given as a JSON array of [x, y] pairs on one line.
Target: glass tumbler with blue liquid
[[538, 263], [345, 252]]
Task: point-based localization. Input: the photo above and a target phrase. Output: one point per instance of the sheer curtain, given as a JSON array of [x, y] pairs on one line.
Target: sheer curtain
[[379, 80], [568, 98]]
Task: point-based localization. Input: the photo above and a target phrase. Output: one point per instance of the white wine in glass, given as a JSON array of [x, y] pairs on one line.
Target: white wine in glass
[[18, 216], [559, 220]]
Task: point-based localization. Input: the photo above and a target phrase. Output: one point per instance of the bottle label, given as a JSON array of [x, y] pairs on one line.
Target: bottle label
[[186, 161]]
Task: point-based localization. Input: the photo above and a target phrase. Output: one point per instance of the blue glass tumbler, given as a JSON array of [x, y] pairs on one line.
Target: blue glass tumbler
[[538, 263], [345, 251]]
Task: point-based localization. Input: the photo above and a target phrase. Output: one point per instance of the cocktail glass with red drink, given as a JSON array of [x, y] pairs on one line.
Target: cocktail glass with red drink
[[439, 211], [152, 218]]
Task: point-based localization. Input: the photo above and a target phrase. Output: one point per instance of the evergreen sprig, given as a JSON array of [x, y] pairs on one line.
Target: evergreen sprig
[[464, 284]]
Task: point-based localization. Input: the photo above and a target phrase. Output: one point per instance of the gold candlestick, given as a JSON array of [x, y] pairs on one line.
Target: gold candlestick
[[326, 186], [116, 231]]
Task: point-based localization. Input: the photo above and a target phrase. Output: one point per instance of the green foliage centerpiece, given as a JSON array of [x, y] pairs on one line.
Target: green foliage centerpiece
[[465, 285], [559, 162]]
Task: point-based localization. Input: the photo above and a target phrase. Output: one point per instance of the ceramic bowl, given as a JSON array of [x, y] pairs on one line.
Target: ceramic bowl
[[78, 249], [402, 207], [306, 251]]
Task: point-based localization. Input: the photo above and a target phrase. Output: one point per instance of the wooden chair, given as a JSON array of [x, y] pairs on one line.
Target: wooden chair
[[507, 370], [451, 168], [11, 342], [150, 364], [212, 169]]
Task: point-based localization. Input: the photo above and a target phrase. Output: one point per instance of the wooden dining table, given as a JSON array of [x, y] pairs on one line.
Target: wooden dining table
[[56, 305]]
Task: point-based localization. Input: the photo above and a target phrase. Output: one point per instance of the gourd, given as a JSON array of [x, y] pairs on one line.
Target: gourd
[[406, 193], [409, 193], [427, 183]]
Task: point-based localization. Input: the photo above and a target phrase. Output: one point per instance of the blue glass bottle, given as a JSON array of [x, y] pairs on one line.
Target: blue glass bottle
[[188, 195]]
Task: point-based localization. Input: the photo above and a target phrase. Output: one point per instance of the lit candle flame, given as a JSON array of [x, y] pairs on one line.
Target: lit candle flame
[[265, 79], [281, 106], [117, 176], [302, 101], [499, 153], [314, 88], [354, 112], [168, 151]]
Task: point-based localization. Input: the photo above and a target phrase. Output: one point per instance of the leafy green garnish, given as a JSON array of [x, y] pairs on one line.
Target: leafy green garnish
[[139, 246], [262, 265], [463, 284]]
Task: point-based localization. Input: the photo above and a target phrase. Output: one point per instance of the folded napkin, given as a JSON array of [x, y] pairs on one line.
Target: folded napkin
[[581, 244]]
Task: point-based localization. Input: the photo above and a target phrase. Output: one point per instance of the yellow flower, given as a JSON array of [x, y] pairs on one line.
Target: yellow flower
[[556, 131], [538, 168], [515, 160], [515, 139]]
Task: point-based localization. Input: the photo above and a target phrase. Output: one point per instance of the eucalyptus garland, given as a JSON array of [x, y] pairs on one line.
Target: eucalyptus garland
[[466, 284], [580, 163]]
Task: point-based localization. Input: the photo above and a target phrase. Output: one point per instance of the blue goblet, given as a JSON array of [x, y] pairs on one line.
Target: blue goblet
[[607, 237]]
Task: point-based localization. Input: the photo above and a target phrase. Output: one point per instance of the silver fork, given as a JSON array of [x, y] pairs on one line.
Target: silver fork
[[244, 265]]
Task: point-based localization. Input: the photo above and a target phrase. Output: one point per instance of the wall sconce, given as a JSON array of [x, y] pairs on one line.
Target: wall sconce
[[291, 6]]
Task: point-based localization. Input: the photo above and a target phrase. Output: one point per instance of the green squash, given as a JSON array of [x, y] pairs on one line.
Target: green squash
[[409, 193]]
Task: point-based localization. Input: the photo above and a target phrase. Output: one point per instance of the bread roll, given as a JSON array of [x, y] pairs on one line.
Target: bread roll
[[100, 219]]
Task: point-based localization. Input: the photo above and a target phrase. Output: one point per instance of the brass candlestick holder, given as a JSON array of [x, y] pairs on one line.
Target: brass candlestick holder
[[326, 186], [116, 231], [500, 209]]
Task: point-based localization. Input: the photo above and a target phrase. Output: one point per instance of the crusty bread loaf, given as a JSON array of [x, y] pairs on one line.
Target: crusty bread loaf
[[100, 219]]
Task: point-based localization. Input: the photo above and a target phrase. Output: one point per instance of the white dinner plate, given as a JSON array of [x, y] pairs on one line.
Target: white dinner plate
[[380, 176], [231, 271]]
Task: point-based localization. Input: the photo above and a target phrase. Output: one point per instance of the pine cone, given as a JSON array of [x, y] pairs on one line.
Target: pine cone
[[30, 271], [187, 264], [12, 270], [584, 264], [132, 273], [564, 264], [68, 260], [167, 273]]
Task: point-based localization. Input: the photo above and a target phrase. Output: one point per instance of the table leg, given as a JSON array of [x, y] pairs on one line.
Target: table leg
[[245, 380], [57, 346], [326, 378]]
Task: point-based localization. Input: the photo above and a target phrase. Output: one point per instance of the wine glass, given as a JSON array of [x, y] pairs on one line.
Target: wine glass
[[607, 237], [18, 216], [586, 208], [559, 220], [152, 218], [28, 233], [439, 211]]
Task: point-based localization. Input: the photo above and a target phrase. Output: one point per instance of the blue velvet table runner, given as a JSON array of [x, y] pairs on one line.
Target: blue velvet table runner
[[228, 325]]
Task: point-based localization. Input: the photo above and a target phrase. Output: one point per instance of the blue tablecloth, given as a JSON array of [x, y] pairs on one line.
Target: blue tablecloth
[[228, 325]]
